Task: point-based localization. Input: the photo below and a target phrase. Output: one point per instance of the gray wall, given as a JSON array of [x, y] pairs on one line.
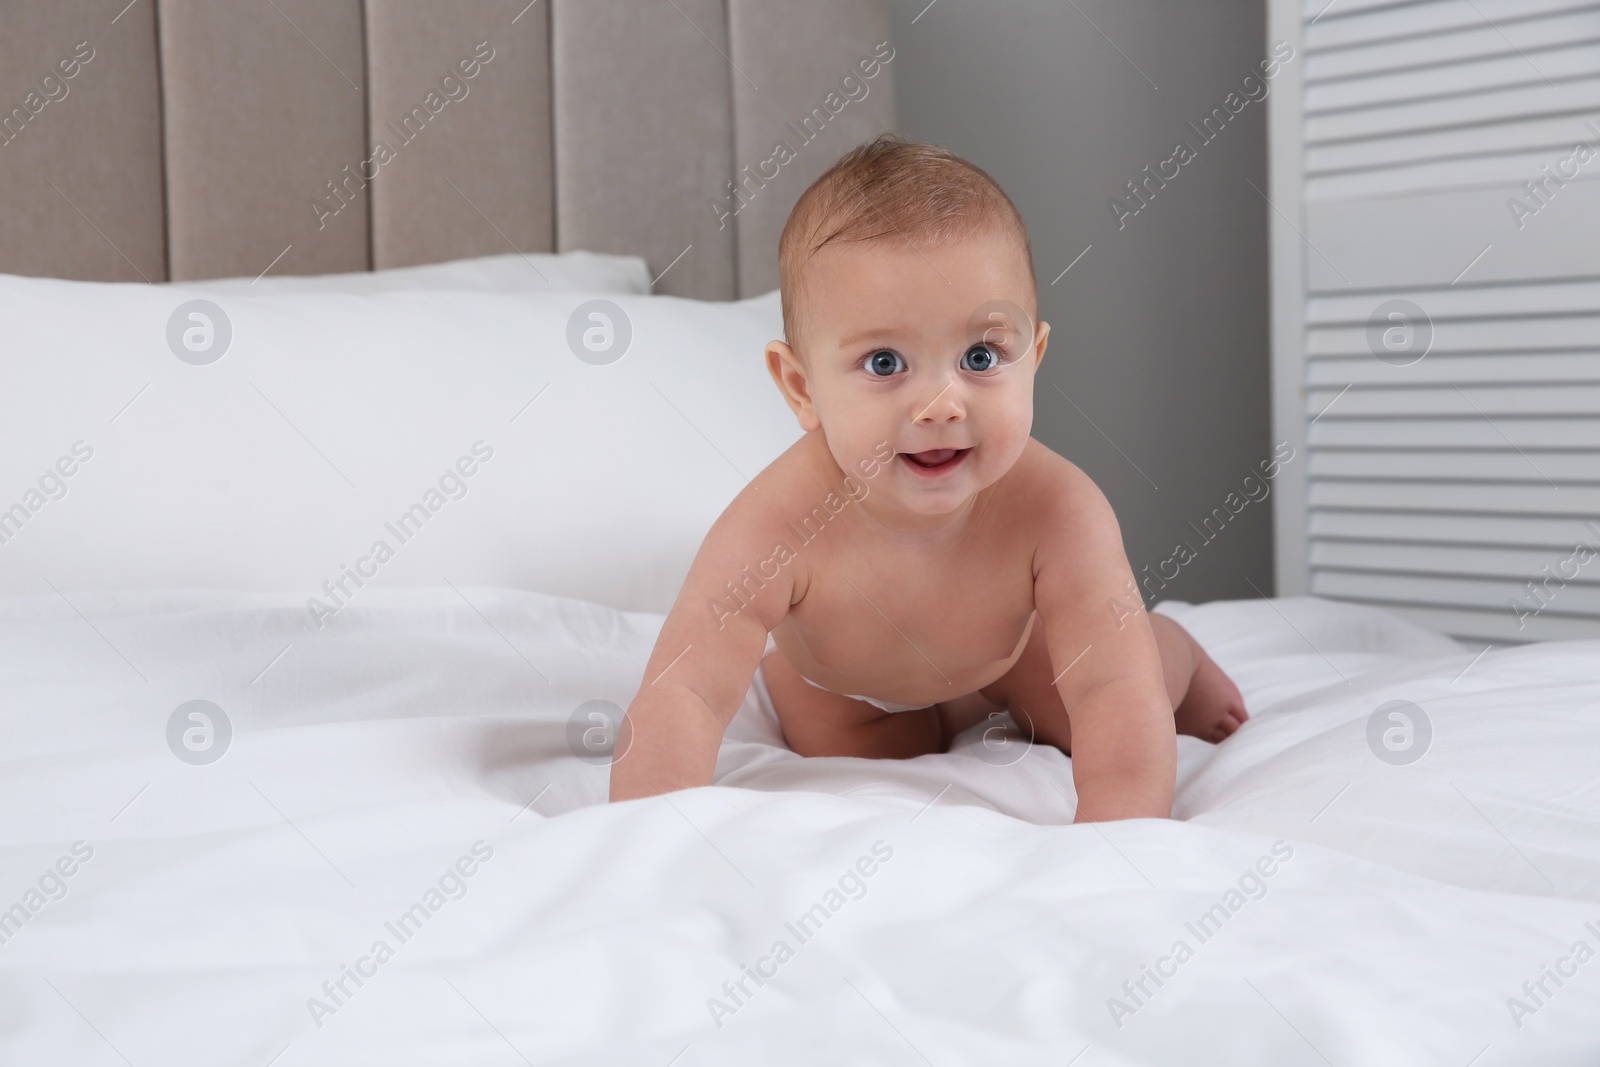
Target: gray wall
[[1159, 333]]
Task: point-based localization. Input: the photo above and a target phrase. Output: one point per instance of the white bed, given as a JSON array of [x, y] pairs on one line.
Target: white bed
[[382, 838], [1405, 903], [183, 890]]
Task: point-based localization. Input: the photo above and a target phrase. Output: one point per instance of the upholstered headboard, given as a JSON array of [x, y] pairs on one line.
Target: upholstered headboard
[[186, 139]]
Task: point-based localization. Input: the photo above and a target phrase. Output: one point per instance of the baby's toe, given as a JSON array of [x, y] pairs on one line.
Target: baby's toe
[[1228, 723]]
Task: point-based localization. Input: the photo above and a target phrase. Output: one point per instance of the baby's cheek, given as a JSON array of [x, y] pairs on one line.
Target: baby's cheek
[[1017, 415]]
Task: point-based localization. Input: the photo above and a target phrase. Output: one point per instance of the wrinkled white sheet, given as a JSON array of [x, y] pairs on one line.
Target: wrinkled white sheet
[[1405, 906]]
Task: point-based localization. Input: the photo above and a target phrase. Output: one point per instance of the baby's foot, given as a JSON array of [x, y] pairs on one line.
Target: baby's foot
[[1213, 708]]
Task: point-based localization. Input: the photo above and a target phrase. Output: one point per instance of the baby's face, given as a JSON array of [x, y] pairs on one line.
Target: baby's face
[[931, 350]]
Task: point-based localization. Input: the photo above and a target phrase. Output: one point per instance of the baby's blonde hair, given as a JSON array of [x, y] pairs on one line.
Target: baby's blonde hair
[[893, 188]]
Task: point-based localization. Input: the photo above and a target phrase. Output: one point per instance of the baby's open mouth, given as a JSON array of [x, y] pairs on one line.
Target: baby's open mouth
[[935, 461]]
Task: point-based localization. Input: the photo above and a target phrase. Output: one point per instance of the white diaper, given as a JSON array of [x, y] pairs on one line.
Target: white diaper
[[886, 705]]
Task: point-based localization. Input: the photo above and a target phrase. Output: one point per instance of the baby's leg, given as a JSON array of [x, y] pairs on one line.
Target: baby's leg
[[1206, 704], [816, 722]]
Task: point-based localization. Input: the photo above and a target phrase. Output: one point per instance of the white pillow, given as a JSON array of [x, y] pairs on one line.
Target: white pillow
[[328, 416], [509, 273]]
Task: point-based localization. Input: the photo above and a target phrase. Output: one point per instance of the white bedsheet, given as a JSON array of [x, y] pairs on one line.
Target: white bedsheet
[[1406, 904]]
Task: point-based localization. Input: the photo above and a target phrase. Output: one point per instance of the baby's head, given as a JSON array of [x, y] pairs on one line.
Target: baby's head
[[910, 308]]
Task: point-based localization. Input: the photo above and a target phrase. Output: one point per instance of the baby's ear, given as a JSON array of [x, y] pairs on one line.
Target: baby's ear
[[789, 373], [1041, 337]]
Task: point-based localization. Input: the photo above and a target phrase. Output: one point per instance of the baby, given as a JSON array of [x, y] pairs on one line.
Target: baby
[[916, 562]]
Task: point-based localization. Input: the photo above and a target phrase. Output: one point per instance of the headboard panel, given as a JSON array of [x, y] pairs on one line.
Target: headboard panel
[[81, 175], [495, 148], [644, 127], [794, 103], [207, 138], [257, 120]]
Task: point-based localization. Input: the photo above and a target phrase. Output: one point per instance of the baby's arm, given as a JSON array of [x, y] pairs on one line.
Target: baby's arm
[[706, 655], [1124, 744]]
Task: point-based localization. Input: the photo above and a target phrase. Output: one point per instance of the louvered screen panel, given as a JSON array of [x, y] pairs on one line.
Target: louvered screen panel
[[1451, 455]]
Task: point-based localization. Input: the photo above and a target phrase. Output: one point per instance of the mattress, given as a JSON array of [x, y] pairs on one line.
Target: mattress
[[230, 839]]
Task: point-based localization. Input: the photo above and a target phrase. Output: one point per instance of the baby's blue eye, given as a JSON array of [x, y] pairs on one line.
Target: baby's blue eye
[[884, 363], [980, 358]]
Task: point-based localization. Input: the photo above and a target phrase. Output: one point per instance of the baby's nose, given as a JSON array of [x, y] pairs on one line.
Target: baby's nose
[[944, 406]]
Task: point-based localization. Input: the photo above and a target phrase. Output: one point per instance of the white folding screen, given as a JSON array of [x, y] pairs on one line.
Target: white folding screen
[[1435, 190]]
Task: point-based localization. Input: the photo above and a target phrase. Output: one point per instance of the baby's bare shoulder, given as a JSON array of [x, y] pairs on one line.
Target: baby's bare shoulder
[[1078, 556], [780, 493], [745, 560], [799, 474], [1057, 493]]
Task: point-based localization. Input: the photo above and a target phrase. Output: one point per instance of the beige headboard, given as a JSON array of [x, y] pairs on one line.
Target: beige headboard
[[209, 138]]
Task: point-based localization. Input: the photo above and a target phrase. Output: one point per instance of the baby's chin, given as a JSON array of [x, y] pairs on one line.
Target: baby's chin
[[932, 505]]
